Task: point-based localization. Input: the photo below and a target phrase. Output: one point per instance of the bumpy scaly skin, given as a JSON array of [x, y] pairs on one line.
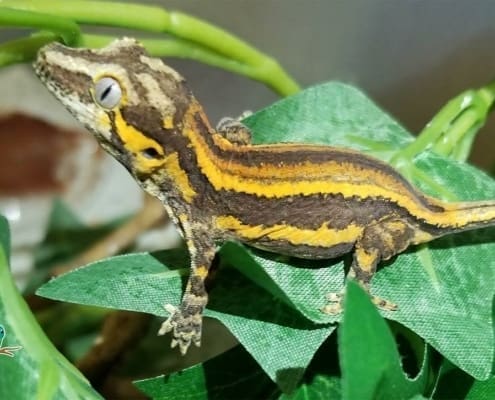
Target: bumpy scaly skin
[[301, 200]]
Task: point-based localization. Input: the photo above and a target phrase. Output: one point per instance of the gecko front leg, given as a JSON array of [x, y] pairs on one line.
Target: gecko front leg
[[186, 321], [234, 130]]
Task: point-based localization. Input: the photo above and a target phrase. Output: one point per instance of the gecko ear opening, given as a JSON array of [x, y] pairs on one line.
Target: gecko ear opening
[[151, 153]]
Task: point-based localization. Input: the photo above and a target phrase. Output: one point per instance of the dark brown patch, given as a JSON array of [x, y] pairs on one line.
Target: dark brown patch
[[305, 212]]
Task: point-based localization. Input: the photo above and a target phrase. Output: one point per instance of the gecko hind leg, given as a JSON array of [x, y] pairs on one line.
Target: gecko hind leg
[[363, 277], [379, 242]]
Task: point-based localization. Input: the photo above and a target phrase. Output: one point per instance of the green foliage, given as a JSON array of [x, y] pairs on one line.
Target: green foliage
[[371, 367], [36, 370], [271, 303], [188, 37]]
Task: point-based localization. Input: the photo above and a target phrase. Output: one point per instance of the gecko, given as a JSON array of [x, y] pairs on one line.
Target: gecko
[[302, 200]]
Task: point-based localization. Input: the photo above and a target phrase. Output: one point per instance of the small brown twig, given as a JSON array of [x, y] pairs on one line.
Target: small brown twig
[[120, 333], [151, 212]]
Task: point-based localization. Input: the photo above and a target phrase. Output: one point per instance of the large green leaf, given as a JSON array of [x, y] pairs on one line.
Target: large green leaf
[[369, 359], [37, 370], [265, 326], [330, 113], [443, 291], [446, 287]]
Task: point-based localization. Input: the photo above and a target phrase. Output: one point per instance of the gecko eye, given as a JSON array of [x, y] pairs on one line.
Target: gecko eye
[[150, 153], [107, 92]]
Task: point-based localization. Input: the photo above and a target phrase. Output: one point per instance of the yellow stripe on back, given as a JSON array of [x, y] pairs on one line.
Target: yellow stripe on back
[[229, 175]]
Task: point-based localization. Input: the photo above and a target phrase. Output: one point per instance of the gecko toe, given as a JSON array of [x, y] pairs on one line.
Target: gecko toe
[[185, 328], [383, 304], [335, 304]]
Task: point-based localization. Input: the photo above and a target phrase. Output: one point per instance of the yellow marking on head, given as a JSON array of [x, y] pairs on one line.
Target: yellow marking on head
[[168, 122], [181, 179], [322, 236], [136, 142]]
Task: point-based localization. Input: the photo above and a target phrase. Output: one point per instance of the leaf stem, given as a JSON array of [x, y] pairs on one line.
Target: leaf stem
[[24, 49], [180, 49], [452, 130]]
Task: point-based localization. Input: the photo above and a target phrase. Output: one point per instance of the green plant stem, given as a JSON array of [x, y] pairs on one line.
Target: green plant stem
[[451, 132], [213, 41], [180, 49], [53, 366], [68, 30], [25, 49]]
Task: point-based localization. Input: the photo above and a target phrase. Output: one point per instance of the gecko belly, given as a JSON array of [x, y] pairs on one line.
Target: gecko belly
[[302, 251], [319, 243]]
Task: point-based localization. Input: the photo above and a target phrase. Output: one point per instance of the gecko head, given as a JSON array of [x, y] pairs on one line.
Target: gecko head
[[133, 104]]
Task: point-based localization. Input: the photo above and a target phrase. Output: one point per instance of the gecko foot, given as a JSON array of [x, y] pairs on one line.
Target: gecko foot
[[335, 304], [383, 304], [335, 301], [185, 325]]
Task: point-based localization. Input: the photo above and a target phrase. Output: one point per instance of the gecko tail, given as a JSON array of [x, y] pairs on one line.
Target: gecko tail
[[466, 216]]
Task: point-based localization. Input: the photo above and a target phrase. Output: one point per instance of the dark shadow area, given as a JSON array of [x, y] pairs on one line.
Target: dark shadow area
[[454, 384]]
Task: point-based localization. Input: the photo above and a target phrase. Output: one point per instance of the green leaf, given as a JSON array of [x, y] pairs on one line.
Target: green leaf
[[231, 375], [370, 362], [448, 286], [264, 325], [36, 369], [482, 390], [330, 113], [5, 236], [284, 277], [455, 383]]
